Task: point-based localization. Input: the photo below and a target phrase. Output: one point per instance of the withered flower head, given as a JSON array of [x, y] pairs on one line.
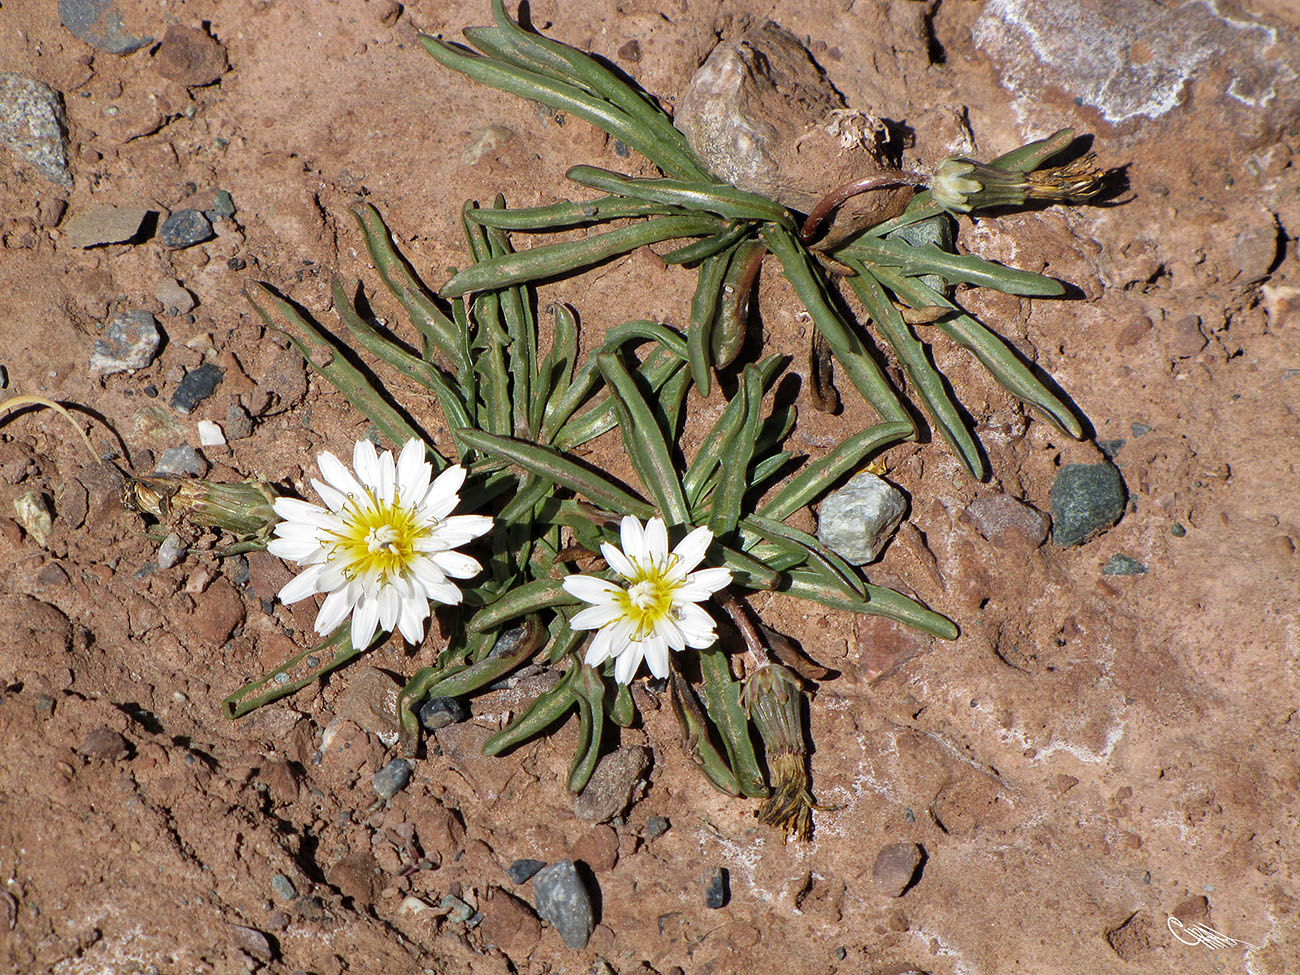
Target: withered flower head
[[961, 184], [242, 508], [773, 698]]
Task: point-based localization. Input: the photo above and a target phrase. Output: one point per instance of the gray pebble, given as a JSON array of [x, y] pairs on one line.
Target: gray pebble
[[253, 941], [182, 460], [104, 745], [283, 887], [656, 826], [610, 788], [239, 425], [563, 901], [1111, 447], [1140, 429], [1086, 500], [223, 206], [1122, 565], [1177, 530], [98, 23], [716, 888], [175, 299], [197, 386], [101, 224], [895, 868], [129, 343], [457, 910], [392, 779], [523, 870], [185, 228], [32, 126], [858, 520], [171, 551], [439, 712]]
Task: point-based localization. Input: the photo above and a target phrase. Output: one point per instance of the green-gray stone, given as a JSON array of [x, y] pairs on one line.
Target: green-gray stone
[[1086, 500], [1122, 565]]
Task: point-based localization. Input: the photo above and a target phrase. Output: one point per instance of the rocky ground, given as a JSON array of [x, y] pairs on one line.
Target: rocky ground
[[1109, 745]]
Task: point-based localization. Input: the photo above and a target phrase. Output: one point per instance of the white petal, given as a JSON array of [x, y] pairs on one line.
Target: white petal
[[303, 550], [413, 473], [703, 583], [594, 617], [386, 488], [365, 461], [301, 586], [459, 529], [690, 550], [632, 538], [598, 650], [444, 493], [656, 543], [697, 626], [670, 633], [365, 620], [333, 611], [445, 592], [338, 476], [390, 606], [411, 625], [334, 498], [300, 512], [332, 577], [589, 589], [629, 661], [656, 656], [618, 561], [426, 573], [456, 564]]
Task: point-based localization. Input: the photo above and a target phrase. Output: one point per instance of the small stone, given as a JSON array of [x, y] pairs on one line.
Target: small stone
[[392, 778], [1177, 530], [223, 206], [283, 888], [1002, 518], [457, 910], [370, 701], [895, 868], [521, 871], [189, 56], [218, 610], [197, 386], [355, 877], [252, 941], [1140, 429], [1122, 565], [181, 461], [563, 902], [610, 788], [102, 224], [439, 712], [716, 888], [487, 141], [129, 343], [509, 923], [1185, 337], [32, 512], [1132, 333], [174, 298], [185, 228], [239, 425], [1254, 250], [656, 826], [32, 126], [1086, 499], [171, 551], [858, 520], [630, 52], [1111, 448], [104, 745], [99, 24], [210, 434]]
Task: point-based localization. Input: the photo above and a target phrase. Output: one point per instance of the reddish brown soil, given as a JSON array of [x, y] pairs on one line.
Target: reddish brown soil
[[1094, 755]]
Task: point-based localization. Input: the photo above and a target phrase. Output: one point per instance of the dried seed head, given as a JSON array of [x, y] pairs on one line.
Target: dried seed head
[[773, 699], [961, 185], [242, 508]]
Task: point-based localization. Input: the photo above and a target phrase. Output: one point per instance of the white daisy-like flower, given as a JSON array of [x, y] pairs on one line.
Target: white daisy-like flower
[[657, 609], [383, 545]]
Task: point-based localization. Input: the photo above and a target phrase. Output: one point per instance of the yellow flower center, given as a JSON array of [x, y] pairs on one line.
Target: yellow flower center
[[648, 599], [376, 538]]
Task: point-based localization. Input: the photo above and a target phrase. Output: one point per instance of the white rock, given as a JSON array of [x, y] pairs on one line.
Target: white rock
[[859, 519]]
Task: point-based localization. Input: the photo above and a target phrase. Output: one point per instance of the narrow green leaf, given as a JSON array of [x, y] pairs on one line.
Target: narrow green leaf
[[1032, 155], [695, 737], [520, 601], [994, 354], [560, 470], [644, 438], [806, 547], [691, 254], [324, 356], [733, 312], [556, 370], [863, 370], [523, 336], [708, 196], [436, 329], [239, 703], [547, 707], [953, 268], [550, 260], [809, 584], [704, 313], [929, 385], [561, 216], [820, 476], [919, 208], [733, 480], [591, 711], [722, 699], [622, 709]]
